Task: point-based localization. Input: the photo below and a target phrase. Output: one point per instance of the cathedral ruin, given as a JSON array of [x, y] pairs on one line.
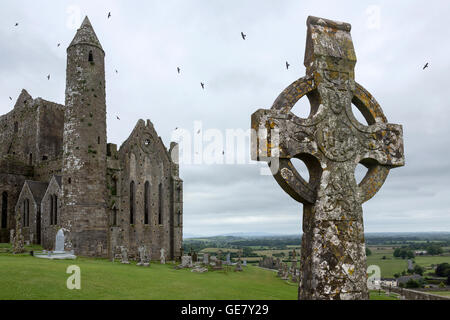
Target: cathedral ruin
[[57, 170]]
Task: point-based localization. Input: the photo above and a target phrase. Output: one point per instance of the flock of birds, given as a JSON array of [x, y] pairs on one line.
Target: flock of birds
[[202, 84]]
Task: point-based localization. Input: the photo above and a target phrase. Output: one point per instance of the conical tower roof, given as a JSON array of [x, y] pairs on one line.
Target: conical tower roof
[[86, 35]]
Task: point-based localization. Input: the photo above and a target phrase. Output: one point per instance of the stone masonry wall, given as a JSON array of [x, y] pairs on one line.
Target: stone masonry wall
[[144, 159]]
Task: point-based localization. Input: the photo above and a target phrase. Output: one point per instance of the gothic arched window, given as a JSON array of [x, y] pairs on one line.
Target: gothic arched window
[[26, 213], [132, 201], [52, 210], [55, 215], [114, 188], [146, 201], [114, 222], [4, 209], [160, 204]]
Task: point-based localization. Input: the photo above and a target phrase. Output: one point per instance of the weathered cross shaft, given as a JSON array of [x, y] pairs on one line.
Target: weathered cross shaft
[[331, 142]]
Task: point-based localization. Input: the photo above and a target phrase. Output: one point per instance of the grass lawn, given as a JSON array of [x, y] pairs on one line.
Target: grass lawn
[[33, 278], [375, 295]]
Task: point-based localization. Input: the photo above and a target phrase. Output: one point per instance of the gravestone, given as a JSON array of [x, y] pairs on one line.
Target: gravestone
[[285, 273], [194, 257], [100, 248], [163, 256], [143, 256], [124, 252], [206, 258], [331, 142], [218, 264], [294, 277], [117, 254], [280, 270], [186, 261], [199, 269], [245, 262], [228, 257], [294, 262], [59, 242], [238, 264]]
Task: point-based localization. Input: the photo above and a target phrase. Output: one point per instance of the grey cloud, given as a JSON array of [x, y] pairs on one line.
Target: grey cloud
[[147, 40]]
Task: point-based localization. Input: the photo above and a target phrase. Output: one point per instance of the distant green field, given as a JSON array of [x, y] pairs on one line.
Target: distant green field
[[216, 250], [440, 293], [393, 265]]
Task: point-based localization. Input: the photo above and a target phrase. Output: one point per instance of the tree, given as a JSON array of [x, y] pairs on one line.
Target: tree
[[441, 285], [418, 269], [434, 250], [443, 269], [368, 252], [409, 254], [412, 284]]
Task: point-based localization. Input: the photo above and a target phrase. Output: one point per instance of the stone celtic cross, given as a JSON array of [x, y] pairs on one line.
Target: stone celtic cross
[[331, 142]]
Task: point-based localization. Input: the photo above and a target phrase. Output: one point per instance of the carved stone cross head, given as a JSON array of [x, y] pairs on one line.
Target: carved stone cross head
[[331, 142]]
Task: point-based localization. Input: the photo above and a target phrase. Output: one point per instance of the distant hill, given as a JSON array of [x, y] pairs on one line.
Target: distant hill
[[369, 235]]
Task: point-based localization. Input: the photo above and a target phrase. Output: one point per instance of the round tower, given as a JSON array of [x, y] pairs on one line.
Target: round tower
[[84, 155]]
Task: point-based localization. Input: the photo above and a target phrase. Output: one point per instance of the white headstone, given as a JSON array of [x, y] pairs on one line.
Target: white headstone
[[59, 243], [11, 236], [163, 256]]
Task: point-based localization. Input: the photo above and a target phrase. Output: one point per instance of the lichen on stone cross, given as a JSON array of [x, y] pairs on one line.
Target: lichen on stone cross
[[331, 143]]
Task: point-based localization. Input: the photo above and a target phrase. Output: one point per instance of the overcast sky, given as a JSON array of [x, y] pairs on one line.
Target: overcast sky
[[147, 40]]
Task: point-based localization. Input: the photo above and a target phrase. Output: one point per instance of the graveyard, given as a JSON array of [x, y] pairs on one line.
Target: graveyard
[[102, 279]]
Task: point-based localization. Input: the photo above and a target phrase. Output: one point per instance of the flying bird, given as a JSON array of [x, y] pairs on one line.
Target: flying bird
[[117, 71], [117, 118], [10, 98], [16, 24], [287, 65], [243, 35], [58, 44], [203, 85], [48, 77], [178, 69], [425, 66], [198, 132], [109, 15]]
